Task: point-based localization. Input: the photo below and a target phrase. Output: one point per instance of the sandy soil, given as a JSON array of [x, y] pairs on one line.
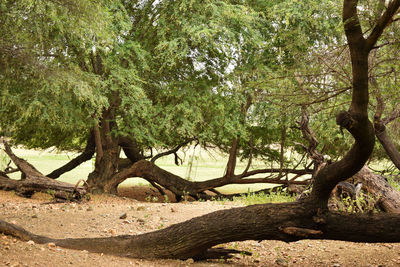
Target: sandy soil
[[101, 217]]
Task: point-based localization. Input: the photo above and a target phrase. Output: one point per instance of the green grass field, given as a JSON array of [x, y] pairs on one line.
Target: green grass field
[[204, 166]]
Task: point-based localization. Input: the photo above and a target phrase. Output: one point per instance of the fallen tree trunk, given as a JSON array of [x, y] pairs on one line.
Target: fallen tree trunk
[[193, 238], [34, 181]]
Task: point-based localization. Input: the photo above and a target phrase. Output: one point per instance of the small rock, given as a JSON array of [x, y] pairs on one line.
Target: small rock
[[281, 262], [89, 209], [189, 261], [123, 216], [127, 221], [173, 209], [7, 248], [80, 208], [112, 232], [30, 242], [140, 208], [13, 222], [51, 245], [34, 216], [141, 221]]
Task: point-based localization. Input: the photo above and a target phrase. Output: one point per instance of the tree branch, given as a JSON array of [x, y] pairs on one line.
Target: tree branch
[[382, 23], [231, 165], [86, 155], [172, 151], [130, 148]]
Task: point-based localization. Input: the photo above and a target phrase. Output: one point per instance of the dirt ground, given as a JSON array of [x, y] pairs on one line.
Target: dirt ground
[[102, 216]]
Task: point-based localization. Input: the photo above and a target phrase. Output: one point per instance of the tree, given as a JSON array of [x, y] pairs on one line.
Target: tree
[[286, 221], [143, 85]]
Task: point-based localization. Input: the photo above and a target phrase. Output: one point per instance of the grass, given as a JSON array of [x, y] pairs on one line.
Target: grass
[[261, 198]]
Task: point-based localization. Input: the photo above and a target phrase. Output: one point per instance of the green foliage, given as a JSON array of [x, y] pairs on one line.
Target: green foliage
[[44, 96], [365, 203]]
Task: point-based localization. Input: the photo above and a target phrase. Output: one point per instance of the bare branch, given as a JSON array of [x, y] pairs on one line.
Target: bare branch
[[172, 151]]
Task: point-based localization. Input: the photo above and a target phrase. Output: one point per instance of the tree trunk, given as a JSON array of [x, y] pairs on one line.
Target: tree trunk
[[99, 181], [192, 239], [107, 156]]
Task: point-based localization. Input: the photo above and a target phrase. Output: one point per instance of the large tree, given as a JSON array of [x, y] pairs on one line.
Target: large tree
[[137, 84], [287, 221]]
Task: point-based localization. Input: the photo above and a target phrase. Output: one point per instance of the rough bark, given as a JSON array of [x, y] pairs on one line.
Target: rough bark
[[390, 148], [107, 149], [34, 181], [192, 239], [389, 198]]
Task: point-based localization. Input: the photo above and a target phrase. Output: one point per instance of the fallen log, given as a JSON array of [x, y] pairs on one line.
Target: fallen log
[[34, 181], [193, 238]]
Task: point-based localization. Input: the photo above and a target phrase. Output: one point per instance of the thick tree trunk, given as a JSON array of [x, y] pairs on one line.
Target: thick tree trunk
[[192, 239], [99, 181], [107, 156]]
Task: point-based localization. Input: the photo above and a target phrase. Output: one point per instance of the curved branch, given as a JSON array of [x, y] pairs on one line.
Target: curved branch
[[356, 119], [172, 151], [86, 155], [179, 186]]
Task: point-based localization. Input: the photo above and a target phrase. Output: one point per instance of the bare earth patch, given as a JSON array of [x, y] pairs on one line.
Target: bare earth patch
[[109, 215]]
